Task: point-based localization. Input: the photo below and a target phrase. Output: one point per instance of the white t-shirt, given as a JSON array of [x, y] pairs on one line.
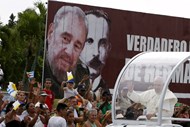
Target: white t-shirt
[[57, 121], [24, 113], [68, 92], [38, 122]]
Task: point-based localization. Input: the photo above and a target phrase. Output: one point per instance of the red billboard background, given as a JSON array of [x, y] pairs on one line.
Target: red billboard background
[[142, 26]]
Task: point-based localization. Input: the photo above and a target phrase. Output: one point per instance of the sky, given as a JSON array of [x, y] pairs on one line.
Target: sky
[[177, 8]]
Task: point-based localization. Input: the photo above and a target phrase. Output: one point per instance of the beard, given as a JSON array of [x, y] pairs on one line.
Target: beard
[[61, 64]]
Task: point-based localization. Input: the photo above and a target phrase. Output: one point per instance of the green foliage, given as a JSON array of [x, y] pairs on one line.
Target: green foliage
[[22, 44]]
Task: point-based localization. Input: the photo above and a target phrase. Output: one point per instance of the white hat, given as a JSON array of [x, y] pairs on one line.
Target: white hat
[[119, 116], [43, 93]]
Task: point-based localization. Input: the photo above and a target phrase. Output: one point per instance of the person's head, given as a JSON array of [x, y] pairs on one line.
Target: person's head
[[21, 96], [62, 109], [97, 44], [90, 96], [72, 101], [124, 91], [82, 89], [158, 84], [48, 83], [70, 84], [33, 80], [99, 114], [92, 115], [30, 107], [42, 97], [66, 38], [70, 116], [106, 96], [20, 85], [20, 109]]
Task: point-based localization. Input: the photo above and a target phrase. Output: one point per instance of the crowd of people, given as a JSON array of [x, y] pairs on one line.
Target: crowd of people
[[182, 111], [37, 107], [79, 106]]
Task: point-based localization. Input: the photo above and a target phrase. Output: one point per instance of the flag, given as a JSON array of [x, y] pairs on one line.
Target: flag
[[16, 104], [12, 86], [69, 76], [30, 74], [13, 94], [12, 90]]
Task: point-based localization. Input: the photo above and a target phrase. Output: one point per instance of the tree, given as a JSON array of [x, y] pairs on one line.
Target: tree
[[23, 43], [11, 22]]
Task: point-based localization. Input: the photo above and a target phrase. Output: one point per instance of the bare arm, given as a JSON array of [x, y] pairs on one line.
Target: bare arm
[[33, 121], [85, 77]]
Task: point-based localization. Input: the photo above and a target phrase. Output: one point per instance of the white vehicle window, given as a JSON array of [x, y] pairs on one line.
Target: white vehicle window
[[142, 91]]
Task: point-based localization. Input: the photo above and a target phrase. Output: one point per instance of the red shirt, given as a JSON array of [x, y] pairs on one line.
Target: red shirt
[[49, 99]]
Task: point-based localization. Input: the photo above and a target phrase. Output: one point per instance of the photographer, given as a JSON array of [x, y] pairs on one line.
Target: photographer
[[34, 117], [42, 106], [41, 102]]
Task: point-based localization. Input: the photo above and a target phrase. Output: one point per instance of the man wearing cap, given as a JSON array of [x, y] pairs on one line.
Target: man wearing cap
[[82, 89], [41, 102]]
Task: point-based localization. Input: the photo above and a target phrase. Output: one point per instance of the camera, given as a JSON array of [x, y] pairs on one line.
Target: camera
[[41, 106]]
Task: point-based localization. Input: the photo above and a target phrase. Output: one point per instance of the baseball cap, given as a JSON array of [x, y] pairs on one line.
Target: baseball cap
[[81, 87], [71, 81], [43, 93]]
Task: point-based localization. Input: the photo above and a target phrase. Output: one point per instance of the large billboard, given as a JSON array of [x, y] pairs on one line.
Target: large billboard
[[99, 44]]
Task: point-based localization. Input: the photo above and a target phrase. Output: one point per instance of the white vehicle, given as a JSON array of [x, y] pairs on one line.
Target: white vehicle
[[139, 76]]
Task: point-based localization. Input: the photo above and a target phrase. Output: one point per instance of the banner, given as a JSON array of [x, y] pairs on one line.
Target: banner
[[100, 44]]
